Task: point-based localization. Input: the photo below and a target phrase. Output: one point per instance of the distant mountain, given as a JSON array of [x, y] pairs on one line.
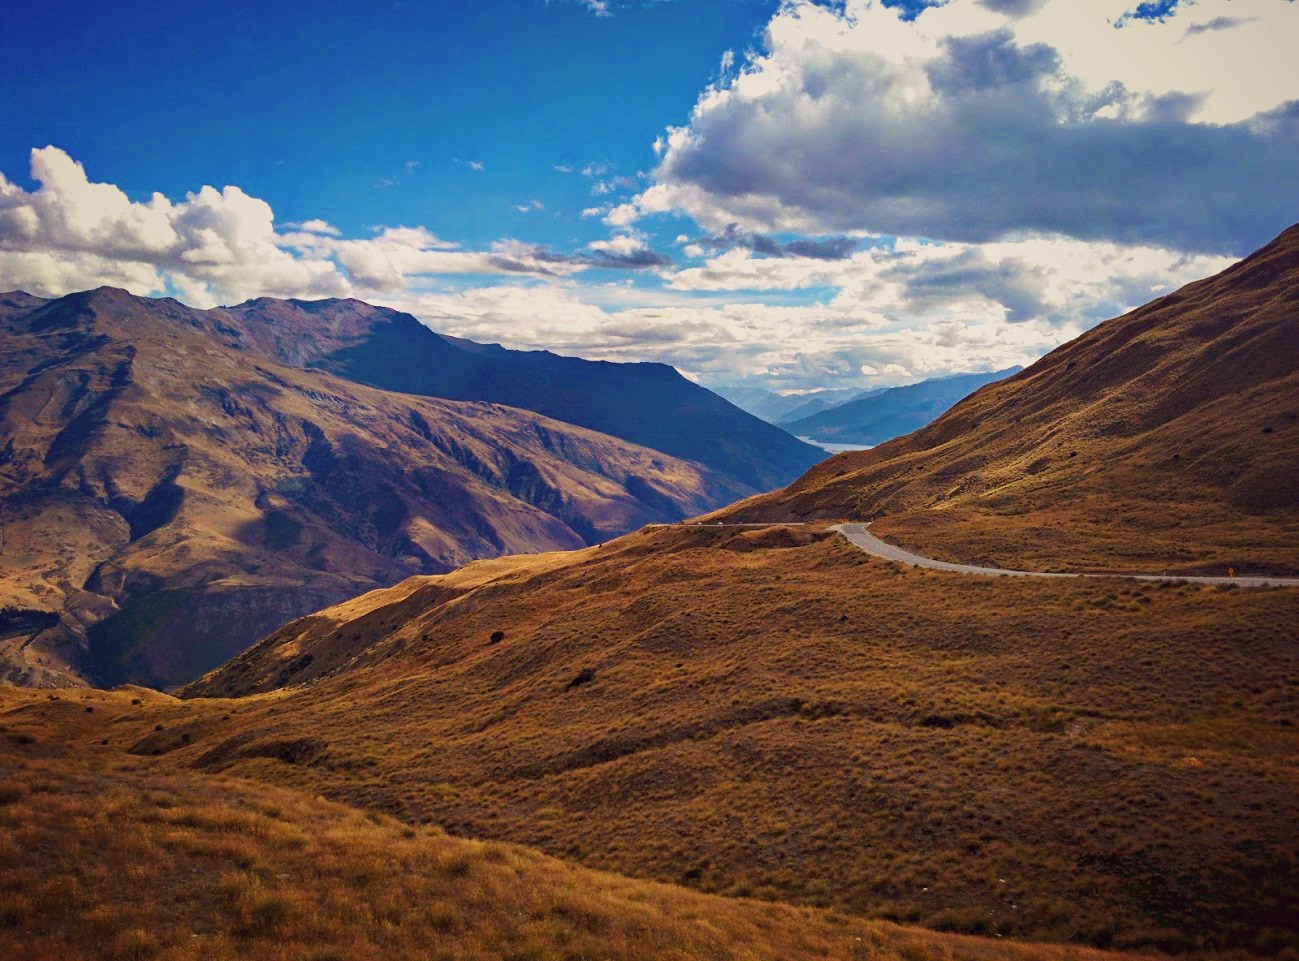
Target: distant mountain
[[883, 415], [169, 492], [647, 404], [1165, 439], [773, 407]]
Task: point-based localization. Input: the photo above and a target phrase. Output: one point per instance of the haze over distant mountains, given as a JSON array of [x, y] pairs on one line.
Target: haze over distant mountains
[[774, 407], [175, 483], [882, 415]]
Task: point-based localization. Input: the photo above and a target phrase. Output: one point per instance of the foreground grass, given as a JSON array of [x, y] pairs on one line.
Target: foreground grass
[[105, 857], [771, 715]]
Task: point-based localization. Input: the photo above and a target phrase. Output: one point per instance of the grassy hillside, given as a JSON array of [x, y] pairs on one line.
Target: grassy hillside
[[773, 713], [1166, 439], [107, 855]]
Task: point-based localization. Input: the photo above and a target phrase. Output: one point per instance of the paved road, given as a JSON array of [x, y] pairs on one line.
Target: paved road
[[860, 537], [868, 542]]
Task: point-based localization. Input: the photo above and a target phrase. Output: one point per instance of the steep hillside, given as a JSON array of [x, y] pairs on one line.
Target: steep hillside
[[647, 404], [773, 713], [1166, 439], [107, 855], [881, 416], [165, 500]]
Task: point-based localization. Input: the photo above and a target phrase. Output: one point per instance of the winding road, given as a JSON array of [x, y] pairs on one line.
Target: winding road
[[858, 535], [861, 538]]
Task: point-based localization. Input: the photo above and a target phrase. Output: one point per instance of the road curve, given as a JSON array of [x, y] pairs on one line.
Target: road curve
[[863, 539]]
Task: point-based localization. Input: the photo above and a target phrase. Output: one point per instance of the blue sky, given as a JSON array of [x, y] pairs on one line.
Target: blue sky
[[792, 195], [316, 110]]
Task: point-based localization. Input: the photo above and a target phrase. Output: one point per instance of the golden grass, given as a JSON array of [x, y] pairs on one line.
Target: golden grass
[[108, 856], [775, 714]]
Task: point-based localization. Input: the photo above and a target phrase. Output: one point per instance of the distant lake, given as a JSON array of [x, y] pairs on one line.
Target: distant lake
[[835, 448]]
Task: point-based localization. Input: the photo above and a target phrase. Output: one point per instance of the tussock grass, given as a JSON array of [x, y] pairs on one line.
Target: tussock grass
[[105, 857], [802, 723]]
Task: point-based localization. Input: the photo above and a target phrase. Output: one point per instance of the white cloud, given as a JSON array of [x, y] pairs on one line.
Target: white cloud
[[221, 246], [222, 242], [828, 313], [972, 124], [529, 206], [317, 227], [621, 216]]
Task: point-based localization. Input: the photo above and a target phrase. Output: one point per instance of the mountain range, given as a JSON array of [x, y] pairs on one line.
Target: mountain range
[[175, 483], [774, 407]]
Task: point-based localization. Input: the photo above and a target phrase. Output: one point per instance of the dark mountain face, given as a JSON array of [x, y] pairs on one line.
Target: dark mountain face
[[647, 404], [170, 492], [891, 413]]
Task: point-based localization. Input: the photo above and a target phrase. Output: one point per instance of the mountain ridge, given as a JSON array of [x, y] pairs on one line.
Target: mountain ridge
[[883, 415], [172, 502]]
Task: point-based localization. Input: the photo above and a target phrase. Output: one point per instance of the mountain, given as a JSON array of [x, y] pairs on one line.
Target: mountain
[[1165, 439], [890, 413], [647, 404], [825, 400], [169, 495], [773, 407]]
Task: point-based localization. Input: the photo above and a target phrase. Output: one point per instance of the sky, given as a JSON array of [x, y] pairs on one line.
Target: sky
[[790, 195]]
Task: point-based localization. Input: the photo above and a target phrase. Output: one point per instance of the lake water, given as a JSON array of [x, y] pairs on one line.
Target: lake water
[[835, 448]]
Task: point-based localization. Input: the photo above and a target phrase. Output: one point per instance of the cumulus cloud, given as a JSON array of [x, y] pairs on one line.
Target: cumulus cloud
[[215, 243], [222, 246], [980, 120]]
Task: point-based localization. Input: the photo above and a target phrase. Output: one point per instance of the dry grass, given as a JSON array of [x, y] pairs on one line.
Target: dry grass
[[105, 856], [777, 715]]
